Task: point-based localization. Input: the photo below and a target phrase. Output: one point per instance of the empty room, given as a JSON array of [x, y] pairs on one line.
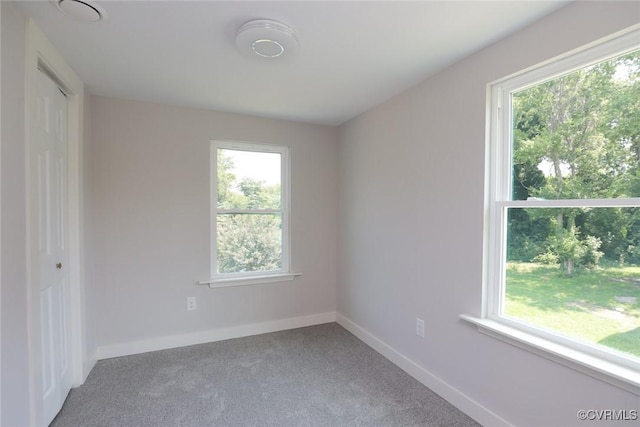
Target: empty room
[[319, 213]]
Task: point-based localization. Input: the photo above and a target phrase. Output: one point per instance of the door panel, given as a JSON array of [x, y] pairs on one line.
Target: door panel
[[48, 363], [52, 228]]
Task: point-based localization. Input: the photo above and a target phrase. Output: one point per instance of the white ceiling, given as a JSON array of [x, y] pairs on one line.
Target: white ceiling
[[353, 55]]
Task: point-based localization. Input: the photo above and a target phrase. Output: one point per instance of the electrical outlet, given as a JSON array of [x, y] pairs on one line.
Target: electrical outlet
[[420, 327], [191, 303]]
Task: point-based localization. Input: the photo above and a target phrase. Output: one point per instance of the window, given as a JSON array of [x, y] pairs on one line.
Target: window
[[250, 212], [562, 260]]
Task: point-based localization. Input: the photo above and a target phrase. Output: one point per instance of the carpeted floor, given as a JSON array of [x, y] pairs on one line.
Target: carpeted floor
[[316, 376]]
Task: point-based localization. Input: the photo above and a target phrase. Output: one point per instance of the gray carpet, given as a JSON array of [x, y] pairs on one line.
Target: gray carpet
[[316, 376]]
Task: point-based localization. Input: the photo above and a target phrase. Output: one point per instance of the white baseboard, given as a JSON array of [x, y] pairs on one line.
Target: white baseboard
[[454, 396], [201, 337]]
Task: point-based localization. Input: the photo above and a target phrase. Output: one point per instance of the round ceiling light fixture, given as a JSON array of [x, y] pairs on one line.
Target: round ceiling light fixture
[[82, 10], [266, 38]]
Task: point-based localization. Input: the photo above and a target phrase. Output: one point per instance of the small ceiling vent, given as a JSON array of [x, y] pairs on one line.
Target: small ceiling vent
[[82, 10]]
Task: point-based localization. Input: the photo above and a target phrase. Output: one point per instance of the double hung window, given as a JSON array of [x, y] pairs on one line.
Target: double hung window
[[250, 210], [562, 252]]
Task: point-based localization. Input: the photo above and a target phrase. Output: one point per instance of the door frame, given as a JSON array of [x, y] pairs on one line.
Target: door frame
[[41, 54]]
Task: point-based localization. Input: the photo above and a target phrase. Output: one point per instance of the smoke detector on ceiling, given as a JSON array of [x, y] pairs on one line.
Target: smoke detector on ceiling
[[82, 10], [266, 38]]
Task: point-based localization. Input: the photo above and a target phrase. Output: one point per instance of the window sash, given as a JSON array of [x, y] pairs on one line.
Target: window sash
[[249, 211], [284, 210], [231, 224]]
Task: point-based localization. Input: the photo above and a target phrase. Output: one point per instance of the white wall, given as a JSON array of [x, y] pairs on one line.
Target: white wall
[[14, 373], [410, 227], [147, 227]]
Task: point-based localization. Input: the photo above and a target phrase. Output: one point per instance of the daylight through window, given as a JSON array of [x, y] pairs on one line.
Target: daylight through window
[[564, 239], [250, 209]]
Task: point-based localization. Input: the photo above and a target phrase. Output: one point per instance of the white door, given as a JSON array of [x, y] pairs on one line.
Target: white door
[[51, 185]]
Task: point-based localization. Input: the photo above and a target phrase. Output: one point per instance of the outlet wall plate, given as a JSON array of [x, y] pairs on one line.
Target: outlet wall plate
[[420, 327], [191, 303]]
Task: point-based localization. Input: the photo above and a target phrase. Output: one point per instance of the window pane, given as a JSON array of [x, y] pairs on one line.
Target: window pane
[[576, 272], [578, 136], [248, 179], [249, 242]]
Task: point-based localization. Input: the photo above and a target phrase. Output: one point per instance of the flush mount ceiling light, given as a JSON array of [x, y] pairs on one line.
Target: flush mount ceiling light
[[82, 10], [266, 38]]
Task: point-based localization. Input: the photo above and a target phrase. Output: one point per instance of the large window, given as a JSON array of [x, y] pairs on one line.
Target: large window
[[563, 229], [250, 210]]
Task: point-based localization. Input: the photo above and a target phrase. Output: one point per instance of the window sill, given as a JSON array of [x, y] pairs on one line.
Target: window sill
[[620, 376], [249, 280]]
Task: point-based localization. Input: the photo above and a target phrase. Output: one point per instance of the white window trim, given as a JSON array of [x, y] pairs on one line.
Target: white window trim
[[597, 362], [252, 278]]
